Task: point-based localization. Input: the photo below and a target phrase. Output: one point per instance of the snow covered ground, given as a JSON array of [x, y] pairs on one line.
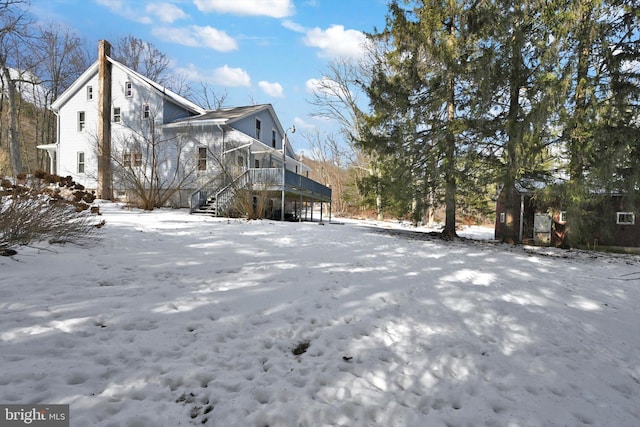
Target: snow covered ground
[[174, 320]]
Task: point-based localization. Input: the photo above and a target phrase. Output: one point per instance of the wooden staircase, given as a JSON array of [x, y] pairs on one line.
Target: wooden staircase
[[218, 202]]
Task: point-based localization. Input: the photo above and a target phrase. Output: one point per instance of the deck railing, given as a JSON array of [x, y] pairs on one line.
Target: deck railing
[[263, 179]]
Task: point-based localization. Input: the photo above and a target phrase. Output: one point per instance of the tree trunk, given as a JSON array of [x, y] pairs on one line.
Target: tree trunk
[[514, 135], [14, 142], [450, 166]]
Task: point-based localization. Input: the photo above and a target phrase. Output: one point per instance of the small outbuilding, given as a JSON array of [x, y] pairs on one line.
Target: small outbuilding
[[606, 220]]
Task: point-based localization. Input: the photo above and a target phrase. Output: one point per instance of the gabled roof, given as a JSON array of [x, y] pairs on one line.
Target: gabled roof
[[229, 115], [226, 116], [93, 70], [75, 86]]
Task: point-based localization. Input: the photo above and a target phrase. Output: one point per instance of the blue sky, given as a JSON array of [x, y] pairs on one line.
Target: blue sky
[[258, 51]]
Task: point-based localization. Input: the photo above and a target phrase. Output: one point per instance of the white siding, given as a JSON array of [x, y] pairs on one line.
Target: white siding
[[72, 141]]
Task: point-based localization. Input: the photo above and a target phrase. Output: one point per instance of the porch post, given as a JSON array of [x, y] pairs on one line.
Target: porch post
[[284, 168], [284, 174]]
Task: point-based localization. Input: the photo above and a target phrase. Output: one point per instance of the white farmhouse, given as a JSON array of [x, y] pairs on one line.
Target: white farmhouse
[[125, 136]]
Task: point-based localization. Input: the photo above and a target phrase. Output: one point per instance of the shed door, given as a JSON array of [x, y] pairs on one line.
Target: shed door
[[542, 229]]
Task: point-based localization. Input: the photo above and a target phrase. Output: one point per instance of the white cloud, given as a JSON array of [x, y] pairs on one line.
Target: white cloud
[[227, 76], [326, 87], [197, 36], [222, 76], [293, 26], [215, 39], [122, 8], [272, 8], [302, 124], [272, 89], [335, 41], [166, 12]]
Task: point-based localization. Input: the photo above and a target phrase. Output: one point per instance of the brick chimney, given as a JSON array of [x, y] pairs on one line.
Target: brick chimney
[[105, 184]]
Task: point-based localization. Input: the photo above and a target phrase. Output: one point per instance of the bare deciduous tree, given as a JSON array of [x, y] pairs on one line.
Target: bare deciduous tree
[[150, 165], [142, 57], [336, 96], [208, 97], [14, 25], [61, 61]]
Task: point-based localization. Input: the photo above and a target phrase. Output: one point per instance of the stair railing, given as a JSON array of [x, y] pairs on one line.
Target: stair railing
[[225, 197], [198, 198]]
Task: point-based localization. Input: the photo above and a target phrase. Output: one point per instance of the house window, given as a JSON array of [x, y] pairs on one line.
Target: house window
[[240, 161], [256, 164], [625, 218], [128, 89], [258, 126], [80, 162], [81, 121], [146, 111], [202, 158], [89, 93], [273, 138], [116, 115], [563, 217], [132, 159], [503, 217]]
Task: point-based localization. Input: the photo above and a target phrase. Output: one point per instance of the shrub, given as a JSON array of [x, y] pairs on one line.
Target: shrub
[[31, 215]]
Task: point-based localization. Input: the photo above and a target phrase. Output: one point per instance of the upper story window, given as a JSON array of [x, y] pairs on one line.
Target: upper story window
[[81, 121], [132, 159], [117, 117], [128, 89], [273, 138], [202, 158], [258, 127], [89, 93], [625, 218], [80, 161], [146, 111]]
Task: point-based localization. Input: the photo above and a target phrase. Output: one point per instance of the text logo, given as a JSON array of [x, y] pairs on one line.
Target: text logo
[[34, 415]]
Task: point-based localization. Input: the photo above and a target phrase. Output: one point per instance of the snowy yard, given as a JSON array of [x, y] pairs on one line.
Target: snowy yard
[[176, 320]]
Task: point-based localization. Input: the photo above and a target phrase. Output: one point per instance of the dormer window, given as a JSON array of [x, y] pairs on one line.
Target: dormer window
[[128, 89], [89, 93]]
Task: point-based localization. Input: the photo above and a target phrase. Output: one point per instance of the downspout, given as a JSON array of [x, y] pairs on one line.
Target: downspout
[[221, 145]]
